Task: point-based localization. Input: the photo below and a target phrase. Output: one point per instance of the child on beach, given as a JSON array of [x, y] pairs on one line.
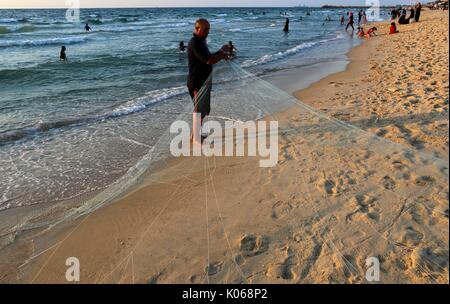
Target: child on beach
[[393, 29], [360, 32], [371, 32], [62, 54]]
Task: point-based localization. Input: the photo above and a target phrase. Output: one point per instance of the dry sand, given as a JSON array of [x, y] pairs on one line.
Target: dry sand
[[329, 204]]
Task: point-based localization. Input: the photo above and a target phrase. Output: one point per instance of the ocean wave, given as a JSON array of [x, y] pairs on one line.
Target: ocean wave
[[121, 29], [273, 57], [143, 102], [17, 29], [179, 24], [132, 106], [42, 42], [219, 20], [9, 20]]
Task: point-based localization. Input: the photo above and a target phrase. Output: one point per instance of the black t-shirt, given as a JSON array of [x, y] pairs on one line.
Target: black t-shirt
[[198, 56]]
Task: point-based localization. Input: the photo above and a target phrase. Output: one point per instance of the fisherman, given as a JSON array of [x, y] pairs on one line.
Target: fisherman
[[199, 80]]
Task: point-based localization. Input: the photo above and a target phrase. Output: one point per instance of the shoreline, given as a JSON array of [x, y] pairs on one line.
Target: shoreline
[[118, 227]]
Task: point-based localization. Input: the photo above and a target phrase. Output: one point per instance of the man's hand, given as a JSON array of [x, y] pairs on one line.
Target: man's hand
[[224, 55], [226, 48]]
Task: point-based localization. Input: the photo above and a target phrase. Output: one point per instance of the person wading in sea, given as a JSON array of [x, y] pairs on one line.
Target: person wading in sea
[[199, 81]]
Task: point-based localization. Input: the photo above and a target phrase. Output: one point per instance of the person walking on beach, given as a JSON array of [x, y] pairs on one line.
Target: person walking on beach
[[199, 80], [286, 25], [359, 17], [350, 21], [418, 9]]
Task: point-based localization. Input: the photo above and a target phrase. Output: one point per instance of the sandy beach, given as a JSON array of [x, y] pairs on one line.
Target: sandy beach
[[338, 195]]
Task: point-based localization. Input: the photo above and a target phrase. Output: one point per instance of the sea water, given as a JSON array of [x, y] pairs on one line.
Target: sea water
[[68, 129]]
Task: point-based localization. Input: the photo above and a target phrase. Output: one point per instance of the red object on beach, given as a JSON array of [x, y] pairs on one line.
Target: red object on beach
[[393, 30]]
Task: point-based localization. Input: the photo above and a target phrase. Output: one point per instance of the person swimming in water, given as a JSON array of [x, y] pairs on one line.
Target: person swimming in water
[[182, 47], [62, 54], [232, 49], [286, 25], [87, 28]]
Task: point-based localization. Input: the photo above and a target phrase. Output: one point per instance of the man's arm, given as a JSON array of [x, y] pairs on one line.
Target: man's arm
[[216, 57], [202, 53]]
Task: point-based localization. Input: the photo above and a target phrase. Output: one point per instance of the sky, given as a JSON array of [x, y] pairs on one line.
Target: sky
[[185, 3]]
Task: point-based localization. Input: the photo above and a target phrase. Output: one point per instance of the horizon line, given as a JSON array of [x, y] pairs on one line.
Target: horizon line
[[137, 7]]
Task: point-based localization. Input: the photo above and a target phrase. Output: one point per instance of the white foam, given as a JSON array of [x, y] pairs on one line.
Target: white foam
[[40, 42], [139, 104], [272, 57], [8, 20]]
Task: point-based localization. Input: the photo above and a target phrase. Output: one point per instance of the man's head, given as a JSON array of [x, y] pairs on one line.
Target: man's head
[[202, 28]]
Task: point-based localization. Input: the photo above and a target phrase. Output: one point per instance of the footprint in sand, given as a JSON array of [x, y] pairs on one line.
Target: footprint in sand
[[281, 210], [426, 260], [327, 186], [214, 268], [424, 180], [155, 278], [252, 245], [365, 206], [388, 183], [411, 237], [283, 270]]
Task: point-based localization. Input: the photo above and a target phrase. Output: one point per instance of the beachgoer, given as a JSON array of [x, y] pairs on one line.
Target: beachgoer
[[87, 28], [200, 69], [418, 9], [411, 14], [182, 47], [403, 19], [371, 32], [286, 25], [360, 32], [359, 17], [393, 14], [393, 29], [364, 18], [342, 20], [62, 54], [350, 21], [233, 49]]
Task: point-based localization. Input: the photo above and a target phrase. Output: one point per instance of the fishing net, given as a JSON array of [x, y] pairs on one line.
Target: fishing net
[[336, 199]]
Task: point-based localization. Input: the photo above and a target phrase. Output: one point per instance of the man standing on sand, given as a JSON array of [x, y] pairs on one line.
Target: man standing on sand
[[199, 81]]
